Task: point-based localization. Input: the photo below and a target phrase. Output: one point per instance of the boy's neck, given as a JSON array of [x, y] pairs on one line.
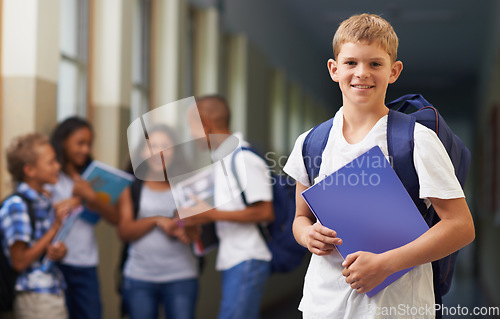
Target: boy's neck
[[362, 115], [216, 138], [35, 185], [359, 120]]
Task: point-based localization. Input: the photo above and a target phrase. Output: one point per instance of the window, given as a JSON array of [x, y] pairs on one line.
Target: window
[[73, 42], [140, 98]]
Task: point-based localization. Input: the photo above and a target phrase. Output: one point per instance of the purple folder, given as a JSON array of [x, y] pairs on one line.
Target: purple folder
[[368, 207]]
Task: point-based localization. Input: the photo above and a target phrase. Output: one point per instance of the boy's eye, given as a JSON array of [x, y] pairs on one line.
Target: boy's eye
[[350, 63], [376, 64]]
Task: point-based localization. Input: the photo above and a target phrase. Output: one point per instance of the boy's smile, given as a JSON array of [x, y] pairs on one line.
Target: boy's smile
[[363, 72]]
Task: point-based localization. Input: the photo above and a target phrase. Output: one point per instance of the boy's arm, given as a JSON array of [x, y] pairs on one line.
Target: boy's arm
[[258, 192], [258, 212], [69, 203], [22, 256], [319, 239], [364, 271]]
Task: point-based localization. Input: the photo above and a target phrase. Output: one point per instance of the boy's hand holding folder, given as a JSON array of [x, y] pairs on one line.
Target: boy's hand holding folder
[[365, 204], [364, 270], [322, 240]]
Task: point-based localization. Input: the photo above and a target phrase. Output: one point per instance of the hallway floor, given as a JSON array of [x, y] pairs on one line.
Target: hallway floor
[[465, 292]]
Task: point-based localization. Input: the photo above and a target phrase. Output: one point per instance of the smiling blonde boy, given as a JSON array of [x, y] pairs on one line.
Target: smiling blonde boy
[[364, 64]]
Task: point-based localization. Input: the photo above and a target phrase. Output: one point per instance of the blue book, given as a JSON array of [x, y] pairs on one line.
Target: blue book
[[368, 207], [107, 181], [62, 234]]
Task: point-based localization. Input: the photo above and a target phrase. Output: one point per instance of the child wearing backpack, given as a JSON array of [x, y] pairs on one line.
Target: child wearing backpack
[[160, 267], [72, 141], [28, 225], [243, 256], [364, 64]]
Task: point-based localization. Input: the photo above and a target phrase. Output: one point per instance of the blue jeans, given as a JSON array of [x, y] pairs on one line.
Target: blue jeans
[[142, 298], [82, 295], [242, 289]]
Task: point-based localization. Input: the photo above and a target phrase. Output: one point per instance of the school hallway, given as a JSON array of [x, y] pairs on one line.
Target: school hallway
[[466, 293], [286, 309], [113, 61]]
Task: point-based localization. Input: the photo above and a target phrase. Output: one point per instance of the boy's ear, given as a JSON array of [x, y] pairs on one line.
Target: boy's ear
[[397, 67], [29, 170], [332, 69]]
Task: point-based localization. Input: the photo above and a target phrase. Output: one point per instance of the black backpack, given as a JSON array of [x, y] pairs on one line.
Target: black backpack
[[8, 276]]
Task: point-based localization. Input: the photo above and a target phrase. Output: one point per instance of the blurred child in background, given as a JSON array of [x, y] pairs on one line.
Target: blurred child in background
[[72, 141], [161, 267], [28, 225]]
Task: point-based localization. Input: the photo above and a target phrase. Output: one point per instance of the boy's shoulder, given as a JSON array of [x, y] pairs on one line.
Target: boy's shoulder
[[22, 196], [422, 132], [17, 210], [13, 203]]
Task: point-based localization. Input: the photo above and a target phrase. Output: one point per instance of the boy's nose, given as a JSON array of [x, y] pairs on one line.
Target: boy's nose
[[362, 71]]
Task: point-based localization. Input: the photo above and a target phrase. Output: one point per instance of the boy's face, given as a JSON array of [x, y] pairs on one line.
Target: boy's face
[[363, 72], [46, 168]]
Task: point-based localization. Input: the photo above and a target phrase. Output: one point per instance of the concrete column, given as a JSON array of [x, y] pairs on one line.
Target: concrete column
[[111, 78], [310, 108], [323, 114], [207, 52], [30, 56], [111, 84], [279, 140], [237, 81], [169, 43], [296, 113]]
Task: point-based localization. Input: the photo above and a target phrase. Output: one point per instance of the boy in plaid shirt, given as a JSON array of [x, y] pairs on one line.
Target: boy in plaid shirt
[[32, 163]]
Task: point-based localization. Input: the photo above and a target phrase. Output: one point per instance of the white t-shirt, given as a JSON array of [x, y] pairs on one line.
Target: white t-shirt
[[239, 242], [326, 294], [156, 257], [81, 241]]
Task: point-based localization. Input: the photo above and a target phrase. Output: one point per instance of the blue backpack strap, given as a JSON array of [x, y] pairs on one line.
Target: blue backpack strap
[[400, 143], [313, 147]]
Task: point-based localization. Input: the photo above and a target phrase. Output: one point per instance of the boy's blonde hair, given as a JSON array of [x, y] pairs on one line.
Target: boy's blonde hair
[[369, 28], [22, 151]]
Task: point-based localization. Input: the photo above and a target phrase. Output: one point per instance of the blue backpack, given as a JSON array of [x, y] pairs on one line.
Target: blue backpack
[[400, 128], [287, 254]]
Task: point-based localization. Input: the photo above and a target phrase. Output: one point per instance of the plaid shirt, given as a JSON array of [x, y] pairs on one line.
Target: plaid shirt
[[15, 226]]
